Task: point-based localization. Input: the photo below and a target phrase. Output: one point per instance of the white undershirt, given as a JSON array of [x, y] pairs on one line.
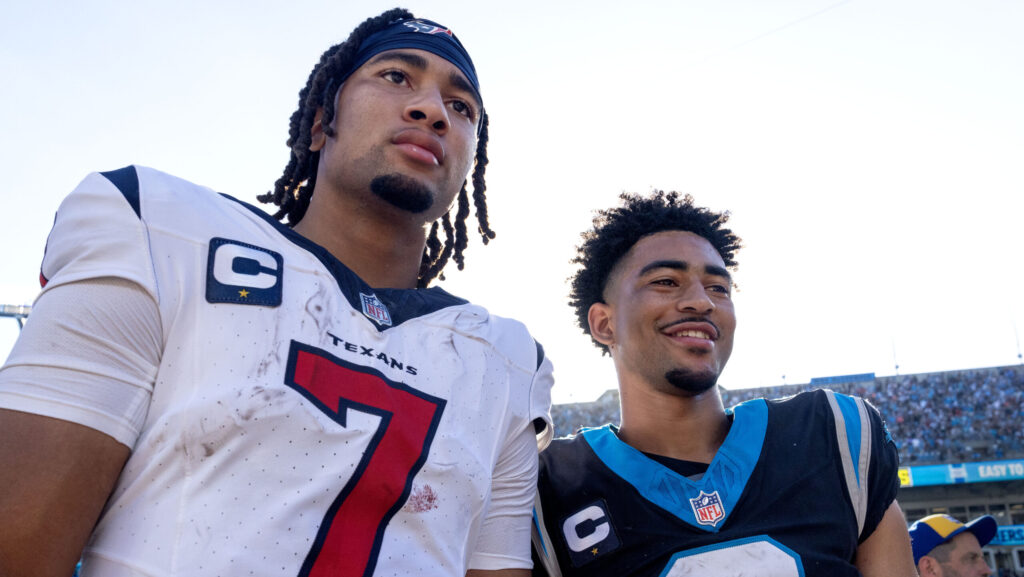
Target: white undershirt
[[88, 354]]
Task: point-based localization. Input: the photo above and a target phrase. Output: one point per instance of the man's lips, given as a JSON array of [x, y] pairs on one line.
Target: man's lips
[[420, 145]]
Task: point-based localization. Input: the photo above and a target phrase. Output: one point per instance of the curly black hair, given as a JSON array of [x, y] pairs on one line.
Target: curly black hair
[[616, 230], [294, 188]]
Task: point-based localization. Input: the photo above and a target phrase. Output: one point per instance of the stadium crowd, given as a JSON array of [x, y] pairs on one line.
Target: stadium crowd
[[956, 416]]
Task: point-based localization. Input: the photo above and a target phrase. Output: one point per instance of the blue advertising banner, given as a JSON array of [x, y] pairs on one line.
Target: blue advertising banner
[[961, 473], [1009, 535]]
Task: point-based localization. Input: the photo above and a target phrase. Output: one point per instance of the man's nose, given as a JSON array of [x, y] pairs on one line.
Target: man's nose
[[428, 108]]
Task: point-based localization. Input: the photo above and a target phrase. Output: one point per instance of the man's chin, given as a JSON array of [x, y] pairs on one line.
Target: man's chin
[[691, 383], [403, 192]]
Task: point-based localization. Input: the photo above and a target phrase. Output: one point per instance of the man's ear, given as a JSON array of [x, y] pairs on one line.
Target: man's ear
[[602, 323], [317, 138], [929, 567]]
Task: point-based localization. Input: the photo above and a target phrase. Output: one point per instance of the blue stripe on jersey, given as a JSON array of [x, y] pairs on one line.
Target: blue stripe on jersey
[[727, 474], [127, 181], [848, 405], [537, 528]]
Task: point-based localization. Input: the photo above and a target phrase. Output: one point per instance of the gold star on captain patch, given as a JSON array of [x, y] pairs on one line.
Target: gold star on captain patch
[[593, 551], [243, 293]]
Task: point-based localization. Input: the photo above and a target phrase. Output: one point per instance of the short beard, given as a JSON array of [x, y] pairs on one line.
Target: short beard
[[403, 192], [691, 383]]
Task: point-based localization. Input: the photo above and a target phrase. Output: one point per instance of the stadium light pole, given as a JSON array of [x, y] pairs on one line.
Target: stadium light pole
[[1016, 335], [895, 361], [17, 312]]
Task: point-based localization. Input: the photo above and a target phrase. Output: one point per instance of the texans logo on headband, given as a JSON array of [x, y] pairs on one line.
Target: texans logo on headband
[[425, 28]]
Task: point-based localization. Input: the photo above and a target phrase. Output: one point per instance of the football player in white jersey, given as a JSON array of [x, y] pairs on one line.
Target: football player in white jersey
[[203, 390]]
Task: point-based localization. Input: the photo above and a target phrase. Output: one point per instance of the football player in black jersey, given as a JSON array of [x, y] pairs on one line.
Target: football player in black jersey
[[803, 486]]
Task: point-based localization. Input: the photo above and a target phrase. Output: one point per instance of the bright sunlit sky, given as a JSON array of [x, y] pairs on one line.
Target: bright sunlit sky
[[871, 151]]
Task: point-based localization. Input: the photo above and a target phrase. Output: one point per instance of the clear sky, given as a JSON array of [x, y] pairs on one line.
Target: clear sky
[[871, 152]]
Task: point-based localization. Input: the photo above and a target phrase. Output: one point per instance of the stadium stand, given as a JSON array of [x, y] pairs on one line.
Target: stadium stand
[[957, 416]]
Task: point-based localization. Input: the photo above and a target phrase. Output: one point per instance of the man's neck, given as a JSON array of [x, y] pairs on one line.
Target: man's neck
[[382, 251], [685, 428]]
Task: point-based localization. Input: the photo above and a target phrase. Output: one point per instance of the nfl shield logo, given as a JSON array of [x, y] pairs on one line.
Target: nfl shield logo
[[708, 508], [375, 310]]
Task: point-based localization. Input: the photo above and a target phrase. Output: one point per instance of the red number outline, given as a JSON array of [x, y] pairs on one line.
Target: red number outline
[[350, 535]]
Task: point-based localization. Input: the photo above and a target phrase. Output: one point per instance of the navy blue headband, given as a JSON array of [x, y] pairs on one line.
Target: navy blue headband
[[419, 34]]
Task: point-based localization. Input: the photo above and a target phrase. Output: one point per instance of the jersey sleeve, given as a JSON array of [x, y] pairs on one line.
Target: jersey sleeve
[[883, 477], [545, 560], [90, 350], [868, 457], [89, 355], [540, 400], [504, 540], [99, 232]]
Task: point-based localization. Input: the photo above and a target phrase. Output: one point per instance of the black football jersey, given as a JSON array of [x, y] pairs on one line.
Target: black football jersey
[[795, 487]]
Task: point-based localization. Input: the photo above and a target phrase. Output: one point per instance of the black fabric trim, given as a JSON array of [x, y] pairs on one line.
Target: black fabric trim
[[683, 467], [127, 181], [403, 304]]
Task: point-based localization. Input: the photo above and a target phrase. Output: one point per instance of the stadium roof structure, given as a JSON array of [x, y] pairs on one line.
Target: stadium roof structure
[[838, 380]]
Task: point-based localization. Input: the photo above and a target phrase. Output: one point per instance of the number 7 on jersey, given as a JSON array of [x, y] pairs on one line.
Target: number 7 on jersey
[[351, 532]]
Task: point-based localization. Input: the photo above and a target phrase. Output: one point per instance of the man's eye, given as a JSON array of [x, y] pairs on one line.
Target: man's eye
[[664, 282], [395, 76], [719, 288], [464, 109]]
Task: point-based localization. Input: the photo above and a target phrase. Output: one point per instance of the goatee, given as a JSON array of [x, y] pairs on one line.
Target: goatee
[[690, 382], [403, 192]]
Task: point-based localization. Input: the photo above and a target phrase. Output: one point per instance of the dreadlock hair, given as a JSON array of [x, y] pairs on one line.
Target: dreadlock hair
[[616, 230], [294, 189]]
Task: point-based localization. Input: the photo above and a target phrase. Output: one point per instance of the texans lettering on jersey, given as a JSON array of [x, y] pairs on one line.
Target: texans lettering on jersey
[[301, 422], [796, 485]]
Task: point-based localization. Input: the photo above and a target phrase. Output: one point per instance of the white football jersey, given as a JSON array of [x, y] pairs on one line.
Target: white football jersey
[[301, 422]]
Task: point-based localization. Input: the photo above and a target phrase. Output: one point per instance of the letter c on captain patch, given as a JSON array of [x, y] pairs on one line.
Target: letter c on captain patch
[[588, 533], [583, 531], [243, 274]]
